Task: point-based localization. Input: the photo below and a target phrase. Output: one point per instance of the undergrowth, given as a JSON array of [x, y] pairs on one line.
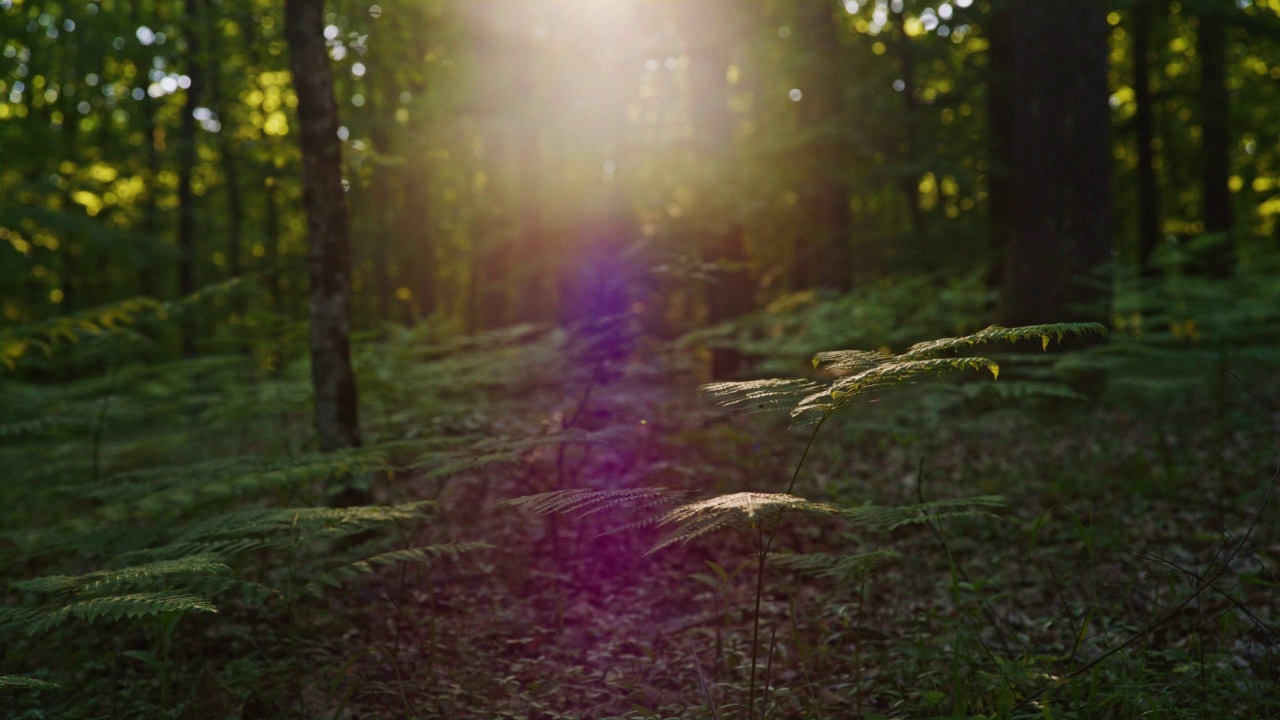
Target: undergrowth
[[1087, 536]]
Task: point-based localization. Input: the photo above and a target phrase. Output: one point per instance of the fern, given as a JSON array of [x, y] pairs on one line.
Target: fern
[[44, 336], [859, 372], [107, 580], [416, 555], [588, 502], [845, 569], [744, 509], [885, 518], [15, 683]]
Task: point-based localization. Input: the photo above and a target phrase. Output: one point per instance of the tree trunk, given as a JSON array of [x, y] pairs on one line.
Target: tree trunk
[[823, 259], [1002, 58], [729, 296], [1215, 142], [328, 229], [1061, 175], [271, 236], [909, 182], [186, 166], [1148, 190]]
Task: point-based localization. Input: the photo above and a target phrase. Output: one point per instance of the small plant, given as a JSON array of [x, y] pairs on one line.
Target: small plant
[[856, 375]]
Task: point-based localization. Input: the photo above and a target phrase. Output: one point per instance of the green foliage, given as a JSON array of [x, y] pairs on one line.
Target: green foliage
[[859, 371], [14, 683]]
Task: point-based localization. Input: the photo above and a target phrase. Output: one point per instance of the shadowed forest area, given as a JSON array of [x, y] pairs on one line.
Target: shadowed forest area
[[639, 359]]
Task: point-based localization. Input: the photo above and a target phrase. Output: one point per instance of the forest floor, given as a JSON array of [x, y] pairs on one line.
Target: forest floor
[[1131, 571]]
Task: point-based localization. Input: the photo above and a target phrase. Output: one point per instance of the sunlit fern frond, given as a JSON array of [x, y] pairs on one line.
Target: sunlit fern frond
[[744, 509], [17, 683], [884, 518], [847, 361], [849, 388], [589, 502], [112, 580], [771, 394], [997, 333], [43, 336], [845, 569]]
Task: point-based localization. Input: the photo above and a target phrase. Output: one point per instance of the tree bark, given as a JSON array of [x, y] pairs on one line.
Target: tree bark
[[823, 259], [328, 227], [1061, 174], [722, 243], [1215, 140], [1148, 189], [186, 166], [1002, 58]]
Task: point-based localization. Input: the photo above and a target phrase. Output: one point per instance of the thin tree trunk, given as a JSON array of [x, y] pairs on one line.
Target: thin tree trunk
[[328, 229], [824, 260], [1148, 190], [271, 233], [186, 166], [730, 295], [909, 184], [1216, 142]]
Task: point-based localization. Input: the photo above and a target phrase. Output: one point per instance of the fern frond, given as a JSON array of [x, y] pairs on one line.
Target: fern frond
[[119, 607], [45, 335], [845, 569], [997, 333], [884, 518], [695, 519], [16, 683], [310, 522], [848, 360], [588, 502], [197, 565], [418, 555], [760, 394]]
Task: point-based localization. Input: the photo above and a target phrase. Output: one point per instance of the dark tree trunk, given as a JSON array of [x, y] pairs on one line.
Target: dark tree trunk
[[909, 182], [1001, 62], [328, 230], [532, 303], [1148, 190], [381, 90], [729, 296], [823, 259], [235, 209], [1215, 143], [420, 261], [271, 233], [1061, 175], [186, 166]]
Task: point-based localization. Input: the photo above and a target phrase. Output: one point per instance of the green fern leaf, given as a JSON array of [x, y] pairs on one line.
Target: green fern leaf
[[695, 519], [15, 683], [119, 607], [846, 570]]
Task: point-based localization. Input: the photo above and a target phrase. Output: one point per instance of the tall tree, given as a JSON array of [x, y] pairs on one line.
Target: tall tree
[[722, 238], [328, 231], [1215, 147], [1148, 189], [186, 166], [1001, 63], [1061, 173], [823, 259]]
